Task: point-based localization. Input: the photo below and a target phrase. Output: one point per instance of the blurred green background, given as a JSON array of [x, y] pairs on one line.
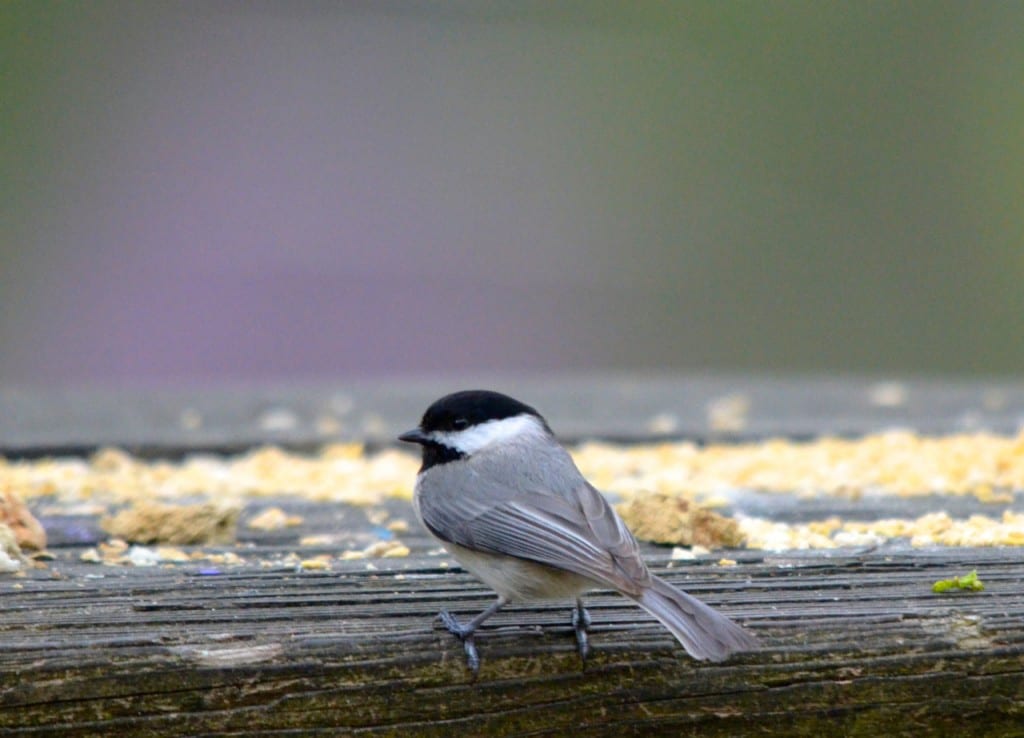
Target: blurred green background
[[224, 191]]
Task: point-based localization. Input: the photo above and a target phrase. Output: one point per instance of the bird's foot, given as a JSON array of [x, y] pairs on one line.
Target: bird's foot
[[580, 623], [465, 634]]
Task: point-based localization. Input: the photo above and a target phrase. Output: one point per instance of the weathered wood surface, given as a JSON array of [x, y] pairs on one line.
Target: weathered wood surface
[[855, 643], [34, 421]]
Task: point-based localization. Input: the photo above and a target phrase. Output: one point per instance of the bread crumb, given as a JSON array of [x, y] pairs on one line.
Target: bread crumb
[[728, 414], [14, 513], [319, 539], [385, 549], [887, 394], [674, 483], [173, 555], [11, 557], [274, 518], [665, 519], [397, 551], [153, 522]]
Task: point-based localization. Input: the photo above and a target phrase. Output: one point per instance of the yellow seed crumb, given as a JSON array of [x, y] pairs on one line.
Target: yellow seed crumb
[[229, 558], [899, 463], [274, 518], [168, 553], [321, 539], [728, 414], [385, 548]]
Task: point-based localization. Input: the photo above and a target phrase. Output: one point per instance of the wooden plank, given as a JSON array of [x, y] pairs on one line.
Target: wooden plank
[[626, 407], [854, 643]]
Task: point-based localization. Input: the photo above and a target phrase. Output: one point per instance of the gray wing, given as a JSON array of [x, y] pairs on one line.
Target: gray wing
[[573, 529]]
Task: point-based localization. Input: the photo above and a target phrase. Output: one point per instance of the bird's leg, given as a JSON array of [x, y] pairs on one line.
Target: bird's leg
[[465, 632], [580, 623]]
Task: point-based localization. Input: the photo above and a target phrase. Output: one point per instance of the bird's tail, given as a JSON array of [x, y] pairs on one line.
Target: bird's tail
[[704, 632]]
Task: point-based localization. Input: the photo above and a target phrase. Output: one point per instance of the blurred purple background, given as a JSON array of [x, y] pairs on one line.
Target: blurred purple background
[[205, 192]]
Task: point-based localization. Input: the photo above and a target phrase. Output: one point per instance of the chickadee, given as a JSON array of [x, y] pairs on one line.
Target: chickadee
[[507, 501]]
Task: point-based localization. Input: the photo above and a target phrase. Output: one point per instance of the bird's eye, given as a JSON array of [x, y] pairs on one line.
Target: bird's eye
[[460, 424]]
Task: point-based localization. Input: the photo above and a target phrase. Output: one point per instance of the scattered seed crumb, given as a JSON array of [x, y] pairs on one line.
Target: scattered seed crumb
[[142, 556], [320, 539], [274, 518], [343, 451], [663, 424], [9, 564], [11, 557], [153, 522], [887, 394], [278, 420], [190, 419], [727, 562], [113, 548], [15, 515], [327, 425], [386, 549], [897, 463], [667, 519], [228, 558], [173, 555], [855, 539], [377, 517], [728, 414]]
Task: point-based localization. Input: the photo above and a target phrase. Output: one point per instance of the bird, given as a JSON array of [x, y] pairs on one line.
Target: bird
[[506, 500]]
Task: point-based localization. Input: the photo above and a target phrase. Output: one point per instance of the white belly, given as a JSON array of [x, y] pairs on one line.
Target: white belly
[[518, 579]]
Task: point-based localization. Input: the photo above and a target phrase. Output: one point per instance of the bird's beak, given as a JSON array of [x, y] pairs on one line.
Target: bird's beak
[[414, 436]]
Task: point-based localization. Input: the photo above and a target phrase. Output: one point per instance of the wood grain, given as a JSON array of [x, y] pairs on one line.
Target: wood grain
[[855, 643]]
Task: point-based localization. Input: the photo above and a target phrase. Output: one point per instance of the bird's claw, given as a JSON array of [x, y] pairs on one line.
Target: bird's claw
[[465, 635], [580, 623], [452, 624]]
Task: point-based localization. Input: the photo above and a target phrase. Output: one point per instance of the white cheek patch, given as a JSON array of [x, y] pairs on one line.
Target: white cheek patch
[[473, 439]]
